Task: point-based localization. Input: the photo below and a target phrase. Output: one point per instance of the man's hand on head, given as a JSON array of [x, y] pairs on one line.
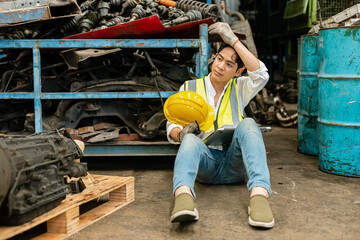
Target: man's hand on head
[[191, 128], [224, 31]]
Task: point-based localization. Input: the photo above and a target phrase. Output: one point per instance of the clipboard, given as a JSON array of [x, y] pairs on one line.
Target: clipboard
[[223, 136]]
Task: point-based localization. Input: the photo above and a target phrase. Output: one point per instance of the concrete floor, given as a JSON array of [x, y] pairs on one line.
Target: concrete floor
[[306, 203]]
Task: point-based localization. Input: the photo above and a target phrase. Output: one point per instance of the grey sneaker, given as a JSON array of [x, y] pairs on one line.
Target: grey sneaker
[[185, 209], [260, 214]]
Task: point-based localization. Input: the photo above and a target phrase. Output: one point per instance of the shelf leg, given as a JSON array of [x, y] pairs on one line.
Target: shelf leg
[[204, 55], [37, 90]]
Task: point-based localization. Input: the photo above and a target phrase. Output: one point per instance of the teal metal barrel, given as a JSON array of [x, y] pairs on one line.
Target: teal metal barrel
[[308, 95], [339, 101]]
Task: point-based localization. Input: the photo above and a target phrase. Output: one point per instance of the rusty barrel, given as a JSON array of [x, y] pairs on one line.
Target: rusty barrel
[[308, 95], [339, 101]]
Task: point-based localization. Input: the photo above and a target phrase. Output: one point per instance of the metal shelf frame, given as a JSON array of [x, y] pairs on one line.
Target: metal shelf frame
[[37, 95]]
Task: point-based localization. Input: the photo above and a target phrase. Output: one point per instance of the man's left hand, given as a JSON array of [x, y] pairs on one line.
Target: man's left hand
[[224, 31], [192, 127]]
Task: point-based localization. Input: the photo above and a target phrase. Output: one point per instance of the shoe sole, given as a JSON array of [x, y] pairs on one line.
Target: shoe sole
[[260, 224], [185, 216]]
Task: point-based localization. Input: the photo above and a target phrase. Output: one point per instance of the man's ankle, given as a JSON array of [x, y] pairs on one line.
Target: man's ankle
[[183, 189], [259, 191]]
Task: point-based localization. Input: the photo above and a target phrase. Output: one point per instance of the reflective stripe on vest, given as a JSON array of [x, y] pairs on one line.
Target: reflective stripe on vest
[[229, 113]]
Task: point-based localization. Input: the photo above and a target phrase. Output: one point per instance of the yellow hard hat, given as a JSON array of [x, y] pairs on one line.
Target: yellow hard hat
[[185, 107]]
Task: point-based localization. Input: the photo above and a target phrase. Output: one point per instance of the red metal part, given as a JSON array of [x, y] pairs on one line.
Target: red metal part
[[150, 27], [145, 28], [186, 30], [130, 30]]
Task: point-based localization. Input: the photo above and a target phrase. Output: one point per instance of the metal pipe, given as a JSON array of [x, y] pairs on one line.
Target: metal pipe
[[286, 119], [288, 124], [234, 13]]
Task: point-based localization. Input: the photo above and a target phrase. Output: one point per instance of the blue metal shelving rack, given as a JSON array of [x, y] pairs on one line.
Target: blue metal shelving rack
[[126, 148]]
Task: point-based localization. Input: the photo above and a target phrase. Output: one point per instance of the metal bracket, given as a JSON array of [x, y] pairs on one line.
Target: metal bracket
[[21, 4]]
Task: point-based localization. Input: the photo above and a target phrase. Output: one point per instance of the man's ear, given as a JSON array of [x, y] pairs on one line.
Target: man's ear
[[239, 71]]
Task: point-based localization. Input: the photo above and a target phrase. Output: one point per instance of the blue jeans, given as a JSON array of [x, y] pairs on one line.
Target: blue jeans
[[244, 159]]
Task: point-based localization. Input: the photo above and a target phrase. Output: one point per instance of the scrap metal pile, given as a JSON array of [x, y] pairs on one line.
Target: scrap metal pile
[[95, 70], [99, 70], [70, 17]]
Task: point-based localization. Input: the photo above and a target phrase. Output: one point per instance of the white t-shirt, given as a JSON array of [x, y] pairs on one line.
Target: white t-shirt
[[248, 87]]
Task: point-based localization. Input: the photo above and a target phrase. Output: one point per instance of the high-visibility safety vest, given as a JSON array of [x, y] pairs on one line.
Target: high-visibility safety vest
[[229, 113]]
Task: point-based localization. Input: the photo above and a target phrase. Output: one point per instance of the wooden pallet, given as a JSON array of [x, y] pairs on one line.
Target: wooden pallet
[[65, 219]]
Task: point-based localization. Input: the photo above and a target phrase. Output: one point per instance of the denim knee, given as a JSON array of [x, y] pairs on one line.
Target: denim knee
[[245, 126]]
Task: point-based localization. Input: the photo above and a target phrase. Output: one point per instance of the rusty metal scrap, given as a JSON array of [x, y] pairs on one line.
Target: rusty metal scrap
[[108, 132], [60, 19], [16, 13], [337, 20], [105, 136], [101, 126], [267, 109], [134, 114], [112, 70], [73, 57], [206, 10]]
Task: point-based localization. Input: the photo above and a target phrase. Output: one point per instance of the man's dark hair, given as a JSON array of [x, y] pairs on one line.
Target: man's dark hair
[[236, 57]]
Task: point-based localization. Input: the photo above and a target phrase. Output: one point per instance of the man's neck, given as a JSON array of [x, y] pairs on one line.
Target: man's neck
[[218, 86]]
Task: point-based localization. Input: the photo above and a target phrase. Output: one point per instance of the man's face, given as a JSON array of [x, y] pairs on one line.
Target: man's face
[[224, 66]]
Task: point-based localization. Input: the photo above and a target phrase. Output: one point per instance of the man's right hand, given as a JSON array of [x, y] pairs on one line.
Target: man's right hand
[[224, 31], [191, 128]]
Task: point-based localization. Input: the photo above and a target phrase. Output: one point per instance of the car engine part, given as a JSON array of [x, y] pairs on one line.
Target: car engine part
[[32, 174]]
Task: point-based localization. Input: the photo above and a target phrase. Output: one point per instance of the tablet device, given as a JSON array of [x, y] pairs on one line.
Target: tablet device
[[220, 137], [224, 136]]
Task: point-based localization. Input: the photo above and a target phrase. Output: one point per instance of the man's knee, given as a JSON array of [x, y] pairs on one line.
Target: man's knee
[[247, 125]]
